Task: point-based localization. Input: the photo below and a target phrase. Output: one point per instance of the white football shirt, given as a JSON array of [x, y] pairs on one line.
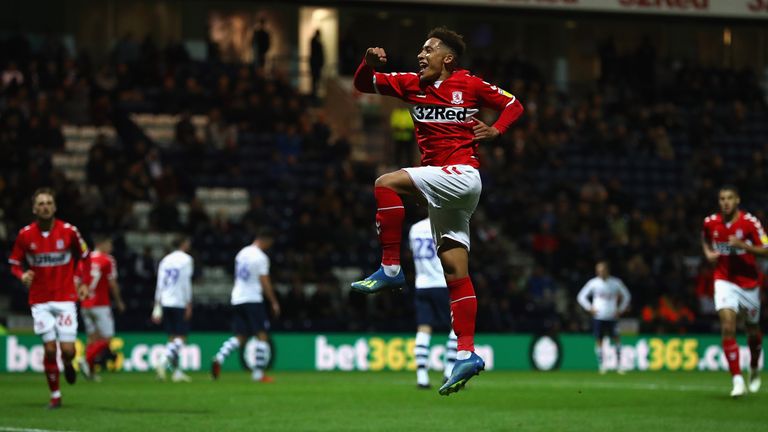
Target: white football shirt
[[605, 297], [429, 271], [250, 264], [174, 280]]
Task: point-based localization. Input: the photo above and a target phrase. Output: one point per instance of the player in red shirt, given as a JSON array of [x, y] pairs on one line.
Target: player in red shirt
[[96, 308], [731, 239], [49, 249], [445, 100]]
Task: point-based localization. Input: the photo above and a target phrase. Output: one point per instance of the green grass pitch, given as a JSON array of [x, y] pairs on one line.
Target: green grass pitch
[[387, 401]]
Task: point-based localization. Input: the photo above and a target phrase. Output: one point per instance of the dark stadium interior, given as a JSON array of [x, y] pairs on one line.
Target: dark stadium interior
[[622, 166]]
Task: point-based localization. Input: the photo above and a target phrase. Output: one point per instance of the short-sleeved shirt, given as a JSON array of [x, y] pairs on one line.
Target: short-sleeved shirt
[[174, 280], [429, 271], [443, 112], [735, 265], [103, 271], [251, 263], [53, 256]]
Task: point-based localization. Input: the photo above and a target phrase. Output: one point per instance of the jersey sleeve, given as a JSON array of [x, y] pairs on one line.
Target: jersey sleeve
[[500, 100], [159, 284], [79, 270], [17, 256], [367, 80], [583, 297], [262, 266], [391, 84], [759, 239], [706, 233], [186, 281], [79, 246], [111, 268], [80, 249], [626, 297]]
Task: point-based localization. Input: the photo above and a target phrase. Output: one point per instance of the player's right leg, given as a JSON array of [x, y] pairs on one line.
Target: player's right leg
[[45, 327], [229, 345], [390, 213], [240, 329]]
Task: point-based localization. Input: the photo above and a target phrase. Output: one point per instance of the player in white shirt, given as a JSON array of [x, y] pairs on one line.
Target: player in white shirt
[[252, 284], [609, 299], [433, 307], [173, 305]]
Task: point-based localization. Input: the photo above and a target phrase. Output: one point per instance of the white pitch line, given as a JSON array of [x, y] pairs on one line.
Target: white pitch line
[[596, 384], [14, 429], [606, 385]]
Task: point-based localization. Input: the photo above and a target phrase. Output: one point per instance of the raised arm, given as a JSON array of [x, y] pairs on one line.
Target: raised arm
[[364, 76]]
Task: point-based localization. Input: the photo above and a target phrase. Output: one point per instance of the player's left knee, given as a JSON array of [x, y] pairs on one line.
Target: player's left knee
[[68, 353]]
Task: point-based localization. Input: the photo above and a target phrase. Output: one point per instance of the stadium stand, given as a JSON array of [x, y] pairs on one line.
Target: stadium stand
[[219, 150]]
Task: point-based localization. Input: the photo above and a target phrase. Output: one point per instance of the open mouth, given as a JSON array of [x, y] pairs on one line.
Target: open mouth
[[422, 67]]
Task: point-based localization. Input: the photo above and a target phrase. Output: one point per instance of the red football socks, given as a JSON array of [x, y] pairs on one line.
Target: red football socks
[[51, 373], [94, 349], [463, 312], [731, 350], [389, 223], [755, 347]]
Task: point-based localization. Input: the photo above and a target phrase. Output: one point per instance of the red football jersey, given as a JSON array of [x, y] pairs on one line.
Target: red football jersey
[[735, 265], [103, 271], [52, 256], [443, 112]]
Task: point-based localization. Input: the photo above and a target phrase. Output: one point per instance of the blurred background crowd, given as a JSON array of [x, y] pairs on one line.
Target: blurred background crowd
[[624, 169]]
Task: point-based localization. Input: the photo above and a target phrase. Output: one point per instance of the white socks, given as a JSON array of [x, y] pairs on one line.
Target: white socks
[[463, 355], [450, 354], [421, 352], [227, 347], [391, 270]]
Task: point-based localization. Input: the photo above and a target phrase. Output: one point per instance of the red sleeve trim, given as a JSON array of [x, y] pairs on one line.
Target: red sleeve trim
[[363, 80]]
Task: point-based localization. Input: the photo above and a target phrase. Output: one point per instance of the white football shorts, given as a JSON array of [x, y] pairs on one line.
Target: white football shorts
[[55, 320], [98, 319], [728, 295], [452, 193]]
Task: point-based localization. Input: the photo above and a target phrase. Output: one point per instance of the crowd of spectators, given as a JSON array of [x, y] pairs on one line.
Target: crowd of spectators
[[624, 173]]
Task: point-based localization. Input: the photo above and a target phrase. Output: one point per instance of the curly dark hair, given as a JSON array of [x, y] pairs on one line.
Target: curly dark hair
[[451, 39]]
